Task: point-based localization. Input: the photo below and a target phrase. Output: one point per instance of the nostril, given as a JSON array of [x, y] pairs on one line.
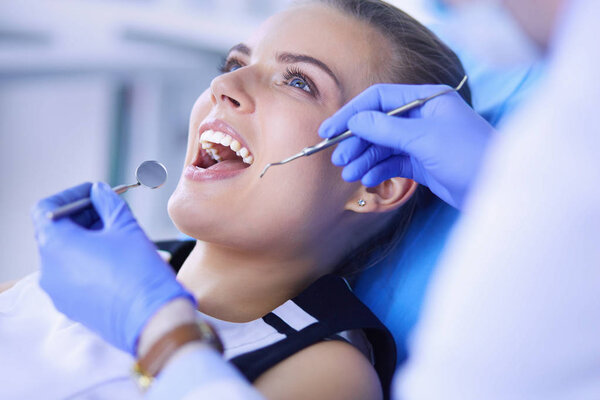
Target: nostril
[[232, 100]]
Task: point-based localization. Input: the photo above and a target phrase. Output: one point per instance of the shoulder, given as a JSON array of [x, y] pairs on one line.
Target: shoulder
[[326, 370]]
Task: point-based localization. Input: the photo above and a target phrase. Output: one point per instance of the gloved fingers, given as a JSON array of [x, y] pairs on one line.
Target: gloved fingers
[[111, 208], [363, 163], [60, 199], [347, 150], [380, 97], [44, 226], [392, 167], [59, 231], [391, 131]]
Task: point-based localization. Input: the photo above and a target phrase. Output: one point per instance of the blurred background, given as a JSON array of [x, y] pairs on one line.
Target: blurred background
[[91, 88]]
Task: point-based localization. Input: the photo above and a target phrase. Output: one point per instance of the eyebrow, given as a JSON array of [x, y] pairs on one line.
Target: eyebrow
[[242, 48], [290, 58]]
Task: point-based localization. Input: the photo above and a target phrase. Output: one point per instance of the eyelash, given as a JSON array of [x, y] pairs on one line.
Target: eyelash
[[227, 63], [289, 75], [295, 72]]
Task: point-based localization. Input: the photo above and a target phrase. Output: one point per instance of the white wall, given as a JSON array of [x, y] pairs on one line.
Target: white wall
[[90, 89], [53, 134]]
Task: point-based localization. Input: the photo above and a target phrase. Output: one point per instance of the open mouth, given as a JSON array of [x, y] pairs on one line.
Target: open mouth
[[219, 151]]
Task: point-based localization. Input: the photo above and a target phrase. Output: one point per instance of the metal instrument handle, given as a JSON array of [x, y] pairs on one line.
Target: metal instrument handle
[[81, 204]]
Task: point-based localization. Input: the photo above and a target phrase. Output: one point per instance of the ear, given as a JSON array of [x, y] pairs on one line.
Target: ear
[[387, 196]]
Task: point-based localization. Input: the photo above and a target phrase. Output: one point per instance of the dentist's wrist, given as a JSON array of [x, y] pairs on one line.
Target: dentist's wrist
[[173, 330], [179, 311]]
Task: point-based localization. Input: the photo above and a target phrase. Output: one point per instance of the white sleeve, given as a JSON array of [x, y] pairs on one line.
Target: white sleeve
[[201, 373], [514, 310]]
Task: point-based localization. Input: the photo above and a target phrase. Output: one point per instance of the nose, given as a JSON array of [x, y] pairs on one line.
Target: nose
[[232, 90]]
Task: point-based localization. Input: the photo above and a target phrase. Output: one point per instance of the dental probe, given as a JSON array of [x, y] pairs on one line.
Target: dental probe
[[149, 173], [307, 151]]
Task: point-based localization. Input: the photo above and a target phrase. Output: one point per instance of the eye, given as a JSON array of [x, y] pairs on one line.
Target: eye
[[234, 67], [300, 84], [229, 65], [297, 79]]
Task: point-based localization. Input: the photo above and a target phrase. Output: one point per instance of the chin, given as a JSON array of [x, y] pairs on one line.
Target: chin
[[183, 214], [198, 222]]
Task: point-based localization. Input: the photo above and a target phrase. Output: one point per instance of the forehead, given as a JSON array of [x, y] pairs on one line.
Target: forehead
[[352, 49]]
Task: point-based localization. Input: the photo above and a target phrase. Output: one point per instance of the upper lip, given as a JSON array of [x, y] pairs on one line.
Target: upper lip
[[222, 126]]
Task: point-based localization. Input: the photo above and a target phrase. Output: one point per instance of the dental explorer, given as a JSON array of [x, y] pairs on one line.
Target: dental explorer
[[307, 151], [151, 174]]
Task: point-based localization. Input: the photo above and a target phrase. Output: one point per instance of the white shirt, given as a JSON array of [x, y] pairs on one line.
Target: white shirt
[[514, 311], [43, 354]]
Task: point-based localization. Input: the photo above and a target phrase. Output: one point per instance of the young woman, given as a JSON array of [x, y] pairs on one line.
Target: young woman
[[269, 253]]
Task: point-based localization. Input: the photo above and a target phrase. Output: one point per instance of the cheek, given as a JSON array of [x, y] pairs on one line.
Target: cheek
[[303, 202], [200, 110], [307, 193], [287, 126]]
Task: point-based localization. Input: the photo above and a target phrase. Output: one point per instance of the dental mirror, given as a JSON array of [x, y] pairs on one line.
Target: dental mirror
[[151, 174]]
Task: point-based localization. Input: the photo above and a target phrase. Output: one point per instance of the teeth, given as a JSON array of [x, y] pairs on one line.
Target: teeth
[[235, 145], [217, 136], [226, 141], [206, 135], [210, 137], [213, 153]]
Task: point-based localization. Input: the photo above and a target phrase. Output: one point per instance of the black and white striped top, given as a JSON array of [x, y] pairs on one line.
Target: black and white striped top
[[326, 310]]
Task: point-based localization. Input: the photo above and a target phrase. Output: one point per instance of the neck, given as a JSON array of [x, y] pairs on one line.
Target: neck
[[238, 286]]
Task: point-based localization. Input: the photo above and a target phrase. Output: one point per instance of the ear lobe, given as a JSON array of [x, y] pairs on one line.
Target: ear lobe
[[387, 196]]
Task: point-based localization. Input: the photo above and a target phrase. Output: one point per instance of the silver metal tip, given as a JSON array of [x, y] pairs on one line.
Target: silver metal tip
[[265, 170], [462, 83], [287, 160]]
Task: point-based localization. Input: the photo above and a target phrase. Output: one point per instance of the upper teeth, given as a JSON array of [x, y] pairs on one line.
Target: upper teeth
[[210, 137]]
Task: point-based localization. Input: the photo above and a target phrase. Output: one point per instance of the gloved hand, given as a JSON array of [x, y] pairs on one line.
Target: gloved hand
[[439, 144], [100, 268]]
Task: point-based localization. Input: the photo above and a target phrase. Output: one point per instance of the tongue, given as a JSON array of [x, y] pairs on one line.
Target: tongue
[[229, 165]]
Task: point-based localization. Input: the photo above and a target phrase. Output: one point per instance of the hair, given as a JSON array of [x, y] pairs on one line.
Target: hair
[[418, 57]]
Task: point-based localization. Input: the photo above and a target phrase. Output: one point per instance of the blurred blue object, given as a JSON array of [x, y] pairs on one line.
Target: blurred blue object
[[497, 89], [395, 288], [497, 92]]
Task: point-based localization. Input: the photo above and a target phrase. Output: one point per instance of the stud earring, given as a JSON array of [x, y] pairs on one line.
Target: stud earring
[[361, 203]]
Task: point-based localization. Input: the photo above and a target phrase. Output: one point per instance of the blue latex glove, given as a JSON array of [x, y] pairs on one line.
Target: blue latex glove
[[100, 268], [439, 145]]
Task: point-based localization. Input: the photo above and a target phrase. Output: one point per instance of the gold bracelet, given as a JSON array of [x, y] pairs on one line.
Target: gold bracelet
[[146, 368]]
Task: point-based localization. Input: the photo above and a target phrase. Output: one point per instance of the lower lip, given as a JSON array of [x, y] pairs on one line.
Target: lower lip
[[202, 174]]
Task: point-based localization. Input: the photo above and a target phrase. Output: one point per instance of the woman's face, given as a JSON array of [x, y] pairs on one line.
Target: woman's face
[[277, 88]]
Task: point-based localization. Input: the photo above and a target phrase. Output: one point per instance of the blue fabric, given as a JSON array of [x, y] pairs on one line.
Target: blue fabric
[[394, 289], [498, 92]]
